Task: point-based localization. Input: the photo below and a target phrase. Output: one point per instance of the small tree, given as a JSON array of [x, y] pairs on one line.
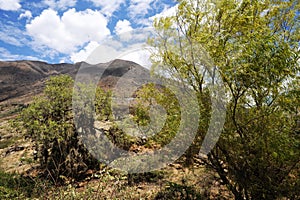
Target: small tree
[[156, 111], [49, 122], [103, 104]]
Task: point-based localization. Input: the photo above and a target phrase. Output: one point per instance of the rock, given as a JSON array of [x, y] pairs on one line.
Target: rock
[[14, 149], [6, 137], [175, 165]]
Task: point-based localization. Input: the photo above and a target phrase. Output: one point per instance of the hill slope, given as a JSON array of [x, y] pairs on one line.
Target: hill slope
[[21, 80]]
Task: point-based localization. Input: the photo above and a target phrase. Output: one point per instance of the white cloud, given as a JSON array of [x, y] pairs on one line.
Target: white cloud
[[112, 48], [136, 52], [60, 4], [10, 5], [108, 7], [27, 14], [5, 55], [167, 12], [139, 7], [9, 39], [11, 34], [68, 32], [148, 22], [83, 54], [140, 56], [139, 10], [123, 26]]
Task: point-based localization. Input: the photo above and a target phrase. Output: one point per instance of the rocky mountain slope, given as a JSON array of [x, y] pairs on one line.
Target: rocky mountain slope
[[21, 80]]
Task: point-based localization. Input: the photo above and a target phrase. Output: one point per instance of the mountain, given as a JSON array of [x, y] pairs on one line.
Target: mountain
[[20, 81], [22, 78]]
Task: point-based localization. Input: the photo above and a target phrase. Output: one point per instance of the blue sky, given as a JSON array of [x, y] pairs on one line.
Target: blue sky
[[69, 30]]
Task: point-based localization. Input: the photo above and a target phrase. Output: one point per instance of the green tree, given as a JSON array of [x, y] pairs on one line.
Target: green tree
[[255, 45], [103, 104], [156, 111], [49, 122]]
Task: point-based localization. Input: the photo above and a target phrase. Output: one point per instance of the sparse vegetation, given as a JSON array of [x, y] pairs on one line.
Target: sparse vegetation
[[255, 45], [15, 186], [177, 191]]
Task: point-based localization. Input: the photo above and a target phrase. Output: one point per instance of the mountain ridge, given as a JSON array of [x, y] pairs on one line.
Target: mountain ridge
[[21, 80]]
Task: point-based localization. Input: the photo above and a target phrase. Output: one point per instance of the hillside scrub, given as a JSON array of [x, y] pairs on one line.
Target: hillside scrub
[[49, 122]]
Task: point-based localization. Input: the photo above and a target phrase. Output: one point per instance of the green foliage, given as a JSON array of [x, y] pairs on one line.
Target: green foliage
[[49, 122], [177, 191], [163, 126], [14, 186], [120, 139], [150, 177], [255, 45], [103, 104]]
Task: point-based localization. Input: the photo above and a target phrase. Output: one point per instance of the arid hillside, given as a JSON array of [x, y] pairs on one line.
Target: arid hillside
[[20, 81]]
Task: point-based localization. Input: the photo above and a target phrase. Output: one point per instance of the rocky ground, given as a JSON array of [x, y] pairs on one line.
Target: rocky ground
[[17, 153]]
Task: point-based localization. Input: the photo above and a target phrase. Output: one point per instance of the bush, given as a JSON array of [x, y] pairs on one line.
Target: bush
[[14, 186], [177, 191], [49, 122]]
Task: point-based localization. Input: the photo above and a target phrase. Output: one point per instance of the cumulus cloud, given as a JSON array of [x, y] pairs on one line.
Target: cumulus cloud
[[108, 7], [123, 26], [123, 30], [27, 15], [60, 4], [12, 5], [135, 50], [84, 53], [68, 32]]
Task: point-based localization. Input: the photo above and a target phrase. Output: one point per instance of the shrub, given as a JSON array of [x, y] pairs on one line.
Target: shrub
[[49, 122]]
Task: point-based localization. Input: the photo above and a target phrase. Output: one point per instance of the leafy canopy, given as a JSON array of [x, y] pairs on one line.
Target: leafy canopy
[[255, 46]]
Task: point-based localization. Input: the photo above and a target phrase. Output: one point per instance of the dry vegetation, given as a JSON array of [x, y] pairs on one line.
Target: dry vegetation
[[20, 178]]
